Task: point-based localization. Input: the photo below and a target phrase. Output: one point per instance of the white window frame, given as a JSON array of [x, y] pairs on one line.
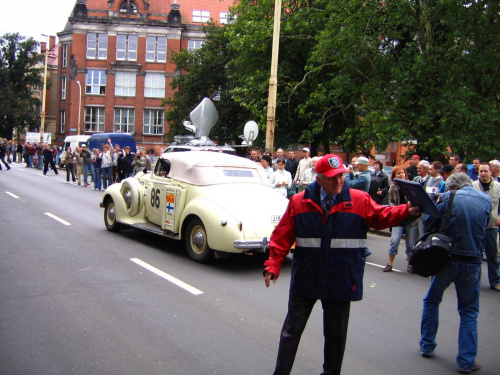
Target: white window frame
[[126, 47], [94, 119], [64, 60], [156, 49], [95, 82], [124, 120], [153, 123], [97, 46], [125, 84], [194, 44], [154, 85], [62, 118], [201, 15], [63, 88]]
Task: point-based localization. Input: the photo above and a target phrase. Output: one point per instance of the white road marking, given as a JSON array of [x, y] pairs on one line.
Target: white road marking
[[12, 195], [57, 218], [379, 266], [167, 277]]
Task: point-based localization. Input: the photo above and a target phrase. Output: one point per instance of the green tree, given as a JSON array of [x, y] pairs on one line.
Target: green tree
[[19, 73]]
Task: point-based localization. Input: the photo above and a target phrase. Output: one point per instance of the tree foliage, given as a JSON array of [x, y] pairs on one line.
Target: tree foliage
[[19, 73], [363, 73]]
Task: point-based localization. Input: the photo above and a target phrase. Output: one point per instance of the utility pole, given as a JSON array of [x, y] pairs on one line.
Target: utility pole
[[273, 80], [44, 94]]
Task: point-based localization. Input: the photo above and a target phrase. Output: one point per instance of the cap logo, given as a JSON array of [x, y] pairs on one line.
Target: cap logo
[[334, 162]]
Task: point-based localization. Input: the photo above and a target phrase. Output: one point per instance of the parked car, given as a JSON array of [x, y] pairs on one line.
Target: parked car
[[96, 140], [217, 203]]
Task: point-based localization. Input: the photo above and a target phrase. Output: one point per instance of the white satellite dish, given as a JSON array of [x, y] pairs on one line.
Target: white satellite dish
[[204, 117], [251, 131]]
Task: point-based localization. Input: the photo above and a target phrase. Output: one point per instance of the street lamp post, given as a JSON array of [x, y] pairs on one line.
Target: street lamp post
[[44, 94], [79, 105]]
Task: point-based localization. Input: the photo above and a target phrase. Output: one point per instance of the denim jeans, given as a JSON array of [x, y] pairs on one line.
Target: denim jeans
[[467, 279], [31, 161], [97, 179], [397, 234], [491, 248], [107, 177], [40, 161], [86, 169]]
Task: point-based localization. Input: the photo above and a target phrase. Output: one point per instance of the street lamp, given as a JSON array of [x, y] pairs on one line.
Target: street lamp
[[44, 94], [79, 105]]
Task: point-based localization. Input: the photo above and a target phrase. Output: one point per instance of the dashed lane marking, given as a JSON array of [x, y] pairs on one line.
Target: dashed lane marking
[[64, 222], [167, 277], [12, 195]]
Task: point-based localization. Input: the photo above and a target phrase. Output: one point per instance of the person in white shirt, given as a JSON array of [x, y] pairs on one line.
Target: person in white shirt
[[266, 164], [107, 164], [281, 179], [309, 175], [304, 164]]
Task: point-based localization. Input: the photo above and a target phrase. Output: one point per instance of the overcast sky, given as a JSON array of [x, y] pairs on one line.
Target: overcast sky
[[35, 17]]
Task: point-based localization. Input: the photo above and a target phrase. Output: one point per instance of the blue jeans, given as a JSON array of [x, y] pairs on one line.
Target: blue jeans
[[107, 176], [467, 279], [40, 161], [31, 161], [491, 248], [97, 179], [397, 234], [86, 169]]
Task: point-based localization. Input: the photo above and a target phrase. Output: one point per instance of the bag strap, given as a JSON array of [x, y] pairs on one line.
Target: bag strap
[[447, 214]]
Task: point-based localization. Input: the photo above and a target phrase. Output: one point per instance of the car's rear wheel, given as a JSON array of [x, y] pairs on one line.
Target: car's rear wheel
[[197, 242], [110, 216]]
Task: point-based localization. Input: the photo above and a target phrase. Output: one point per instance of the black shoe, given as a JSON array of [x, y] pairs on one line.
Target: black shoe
[[425, 355], [475, 366]]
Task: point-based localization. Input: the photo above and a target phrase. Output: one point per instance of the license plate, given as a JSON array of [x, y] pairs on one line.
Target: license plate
[[275, 218]]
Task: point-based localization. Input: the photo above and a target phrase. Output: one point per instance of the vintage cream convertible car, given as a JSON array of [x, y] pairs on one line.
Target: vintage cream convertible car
[[217, 203]]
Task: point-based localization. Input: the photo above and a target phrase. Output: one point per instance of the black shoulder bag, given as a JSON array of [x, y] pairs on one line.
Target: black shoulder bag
[[432, 251]]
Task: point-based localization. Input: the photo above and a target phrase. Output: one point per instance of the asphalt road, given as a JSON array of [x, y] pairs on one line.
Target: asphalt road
[[76, 299]]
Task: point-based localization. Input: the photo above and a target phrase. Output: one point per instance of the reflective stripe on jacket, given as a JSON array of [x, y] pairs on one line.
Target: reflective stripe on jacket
[[329, 256]]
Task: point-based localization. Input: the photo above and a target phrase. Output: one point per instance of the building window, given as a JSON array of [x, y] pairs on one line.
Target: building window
[[154, 86], [63, 88], [124, 120], [63, 121], [223, 17], [193, 45], [201, 15], [64, 60], [124, 8], [97, 46], [153, 121], [95, 82], [126, 47], [125, 84], [94, 119], [156, 49]]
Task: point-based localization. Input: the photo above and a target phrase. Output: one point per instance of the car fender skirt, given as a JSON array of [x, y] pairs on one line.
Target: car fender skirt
[[131, 193]]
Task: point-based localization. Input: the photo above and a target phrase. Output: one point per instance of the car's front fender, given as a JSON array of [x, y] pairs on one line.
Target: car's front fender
[[222, 227], [121, 211]]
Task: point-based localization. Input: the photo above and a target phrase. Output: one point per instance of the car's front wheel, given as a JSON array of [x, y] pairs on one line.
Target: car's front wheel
[[197, 242], [110, 216]]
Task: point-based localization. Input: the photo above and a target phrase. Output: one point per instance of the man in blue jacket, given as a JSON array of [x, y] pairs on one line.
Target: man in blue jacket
[[328, 223], [467, 230]]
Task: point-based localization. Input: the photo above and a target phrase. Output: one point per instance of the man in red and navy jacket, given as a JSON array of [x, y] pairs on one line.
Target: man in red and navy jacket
[[328, 223]]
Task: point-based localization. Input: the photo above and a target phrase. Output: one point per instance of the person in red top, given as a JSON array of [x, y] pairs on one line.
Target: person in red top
[[328, 222]]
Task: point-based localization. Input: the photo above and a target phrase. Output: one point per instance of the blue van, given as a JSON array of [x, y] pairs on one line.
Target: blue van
[[123, 139]]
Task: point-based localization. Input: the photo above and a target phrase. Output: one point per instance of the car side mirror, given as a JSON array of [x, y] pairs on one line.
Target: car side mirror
[[145, 171]]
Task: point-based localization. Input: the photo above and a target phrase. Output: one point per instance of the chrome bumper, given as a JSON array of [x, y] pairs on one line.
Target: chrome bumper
[[252, 244]]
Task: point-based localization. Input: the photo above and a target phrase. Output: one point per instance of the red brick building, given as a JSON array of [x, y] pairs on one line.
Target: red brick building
[[115, 63]]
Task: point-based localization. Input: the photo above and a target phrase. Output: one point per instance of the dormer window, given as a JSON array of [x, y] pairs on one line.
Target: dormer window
[[128, 7]]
